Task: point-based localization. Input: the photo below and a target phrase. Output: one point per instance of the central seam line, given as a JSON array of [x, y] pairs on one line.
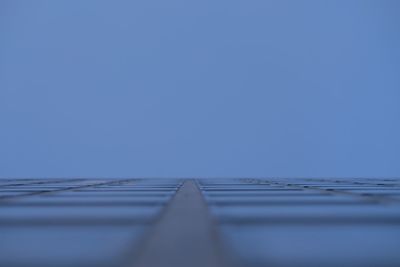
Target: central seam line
[[183, 236]]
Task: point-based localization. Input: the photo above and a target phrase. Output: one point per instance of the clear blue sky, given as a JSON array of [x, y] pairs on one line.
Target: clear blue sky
[[199, 88]]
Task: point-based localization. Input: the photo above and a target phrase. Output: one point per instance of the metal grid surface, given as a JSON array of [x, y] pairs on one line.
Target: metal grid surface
[[256, 222], [307, 222], [77, 222]]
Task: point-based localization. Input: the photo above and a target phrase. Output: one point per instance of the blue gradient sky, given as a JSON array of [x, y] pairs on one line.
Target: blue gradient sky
[[199, 88]]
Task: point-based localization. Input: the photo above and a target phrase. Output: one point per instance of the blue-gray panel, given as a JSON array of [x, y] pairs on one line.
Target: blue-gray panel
[[314, 245], [76, 246]]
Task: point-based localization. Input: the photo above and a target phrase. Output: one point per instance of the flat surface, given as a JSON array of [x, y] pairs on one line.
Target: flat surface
[[184, 236], [200, 222]]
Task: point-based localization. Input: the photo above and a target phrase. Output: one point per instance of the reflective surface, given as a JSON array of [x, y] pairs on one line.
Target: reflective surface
[[308, 222], [254, 222]]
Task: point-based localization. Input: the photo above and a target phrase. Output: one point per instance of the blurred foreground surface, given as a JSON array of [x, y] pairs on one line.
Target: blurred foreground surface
[[202, 222]]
